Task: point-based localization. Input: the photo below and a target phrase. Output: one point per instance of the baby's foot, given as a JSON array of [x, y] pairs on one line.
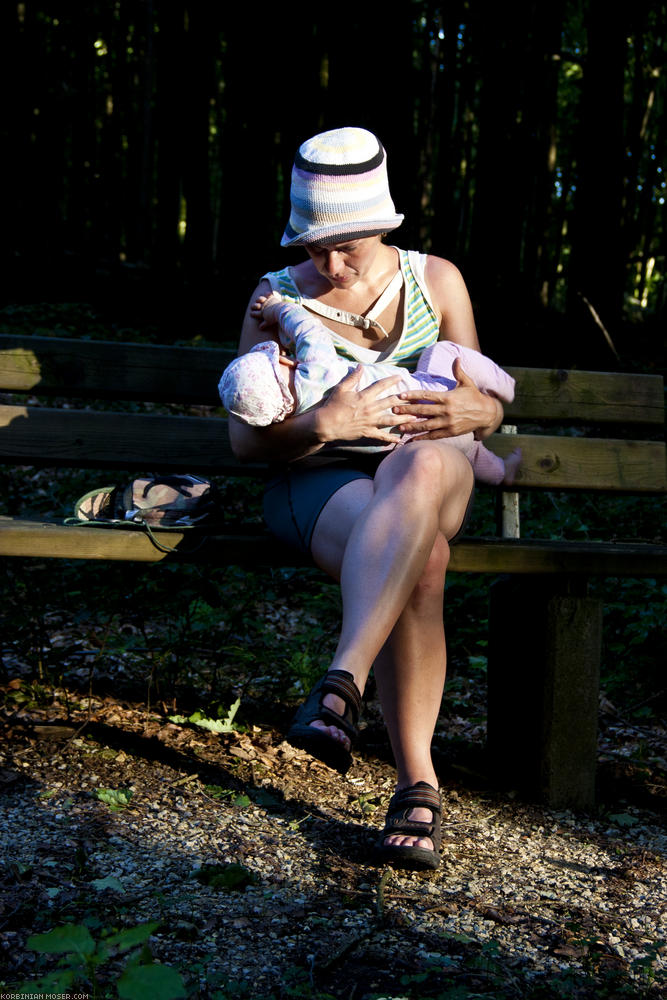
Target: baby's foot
[[512, 463]]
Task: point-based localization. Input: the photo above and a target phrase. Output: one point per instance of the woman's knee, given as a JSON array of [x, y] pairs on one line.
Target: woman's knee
[[418, 466], [431, 467]]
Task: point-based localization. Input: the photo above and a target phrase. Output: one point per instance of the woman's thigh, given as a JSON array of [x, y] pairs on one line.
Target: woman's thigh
[[335, 523], [432, 465], [295, 500]]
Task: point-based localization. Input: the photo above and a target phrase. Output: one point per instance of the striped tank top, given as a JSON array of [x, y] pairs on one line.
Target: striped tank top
[[420, 323]]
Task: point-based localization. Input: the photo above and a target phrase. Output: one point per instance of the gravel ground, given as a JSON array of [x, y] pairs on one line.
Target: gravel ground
[[525, 897]]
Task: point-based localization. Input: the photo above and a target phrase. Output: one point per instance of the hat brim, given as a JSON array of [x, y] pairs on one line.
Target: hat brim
[[337, 234]]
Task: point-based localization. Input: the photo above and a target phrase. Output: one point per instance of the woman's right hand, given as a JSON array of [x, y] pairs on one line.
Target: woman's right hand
[[449, 414], [352, 414]]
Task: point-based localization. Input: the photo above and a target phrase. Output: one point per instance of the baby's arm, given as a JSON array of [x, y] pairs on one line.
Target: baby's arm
[[298, 329], [318, 366], [305, 336]]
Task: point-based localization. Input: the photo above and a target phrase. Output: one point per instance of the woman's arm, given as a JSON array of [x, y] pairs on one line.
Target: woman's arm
[[465, 408], [346, 415]]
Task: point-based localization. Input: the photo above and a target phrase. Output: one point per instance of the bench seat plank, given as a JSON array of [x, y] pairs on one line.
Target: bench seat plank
[[244, 545]]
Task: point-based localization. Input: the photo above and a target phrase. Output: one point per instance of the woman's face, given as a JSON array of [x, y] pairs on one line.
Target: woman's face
[[344, 263]]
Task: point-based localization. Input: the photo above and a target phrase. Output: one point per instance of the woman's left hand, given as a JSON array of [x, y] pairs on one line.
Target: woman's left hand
[[448, 414]]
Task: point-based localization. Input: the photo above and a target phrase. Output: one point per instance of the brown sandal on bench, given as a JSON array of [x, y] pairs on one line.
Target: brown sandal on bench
[[319, 744], [419, 796]]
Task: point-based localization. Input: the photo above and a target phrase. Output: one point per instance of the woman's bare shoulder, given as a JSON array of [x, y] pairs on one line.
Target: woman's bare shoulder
[[442, 273], [452, 301]]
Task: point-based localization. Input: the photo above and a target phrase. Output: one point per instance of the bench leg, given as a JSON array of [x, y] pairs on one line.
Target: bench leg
[[544, 666]]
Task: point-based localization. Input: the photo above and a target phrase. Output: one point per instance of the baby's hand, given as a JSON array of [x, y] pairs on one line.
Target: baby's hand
[[266, 308]]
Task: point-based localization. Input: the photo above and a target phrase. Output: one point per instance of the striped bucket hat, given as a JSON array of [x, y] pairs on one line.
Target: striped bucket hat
[[340, 189]]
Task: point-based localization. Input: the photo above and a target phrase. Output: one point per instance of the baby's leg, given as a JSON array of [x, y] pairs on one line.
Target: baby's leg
[[512, 463], [489, 468]]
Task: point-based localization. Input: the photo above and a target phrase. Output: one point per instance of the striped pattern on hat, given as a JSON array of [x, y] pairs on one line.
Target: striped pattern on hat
[[340, 189]]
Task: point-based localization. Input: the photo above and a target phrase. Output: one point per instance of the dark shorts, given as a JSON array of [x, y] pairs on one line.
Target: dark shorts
[[295, 498]]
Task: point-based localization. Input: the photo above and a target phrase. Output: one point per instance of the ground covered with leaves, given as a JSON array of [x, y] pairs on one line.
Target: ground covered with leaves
[[160, 838]]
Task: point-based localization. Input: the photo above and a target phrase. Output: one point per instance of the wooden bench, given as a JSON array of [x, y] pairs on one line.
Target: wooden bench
[[545, 629]]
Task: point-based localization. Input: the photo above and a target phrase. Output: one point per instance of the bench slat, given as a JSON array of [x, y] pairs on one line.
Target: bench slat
[[559, 462], [107, 370], [591, 397], [243, 546], [95, 369], [92, 439]]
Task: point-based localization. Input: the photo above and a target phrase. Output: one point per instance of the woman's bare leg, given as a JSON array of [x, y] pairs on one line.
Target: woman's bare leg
[[386, 542], [386, 539]]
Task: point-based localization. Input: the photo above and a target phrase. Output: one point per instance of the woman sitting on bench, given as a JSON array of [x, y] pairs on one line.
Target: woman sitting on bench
[[380, 523]]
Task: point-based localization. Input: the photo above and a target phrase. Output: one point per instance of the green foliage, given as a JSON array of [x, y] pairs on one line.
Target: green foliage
[[84, 957], [221, 725], [116, 798], [230, 877]]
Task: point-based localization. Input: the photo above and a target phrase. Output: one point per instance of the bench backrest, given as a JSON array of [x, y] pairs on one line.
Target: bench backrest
[[596, 430]]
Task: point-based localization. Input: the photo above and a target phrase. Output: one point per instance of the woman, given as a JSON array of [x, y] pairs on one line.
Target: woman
[[380, 524]]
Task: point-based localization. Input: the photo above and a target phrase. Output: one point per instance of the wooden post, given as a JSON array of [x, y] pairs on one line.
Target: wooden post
[[544, 660], [508, 521]]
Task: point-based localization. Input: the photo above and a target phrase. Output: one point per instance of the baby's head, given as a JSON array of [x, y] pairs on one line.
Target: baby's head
[[255, 387]]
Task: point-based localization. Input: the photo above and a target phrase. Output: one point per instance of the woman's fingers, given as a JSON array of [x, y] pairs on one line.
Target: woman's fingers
[[446, 414], [352, 414]]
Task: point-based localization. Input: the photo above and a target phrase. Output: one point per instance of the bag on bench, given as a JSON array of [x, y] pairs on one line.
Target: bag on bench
[[171, 502]]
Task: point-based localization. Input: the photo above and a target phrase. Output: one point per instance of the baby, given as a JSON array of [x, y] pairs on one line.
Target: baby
[[263, 387]]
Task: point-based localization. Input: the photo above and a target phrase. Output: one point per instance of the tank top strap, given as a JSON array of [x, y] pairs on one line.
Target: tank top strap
[[283, 282], [417, 262], [369, 319]]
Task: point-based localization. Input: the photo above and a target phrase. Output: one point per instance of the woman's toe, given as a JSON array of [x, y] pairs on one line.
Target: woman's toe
[[404, 841], [332, 732]]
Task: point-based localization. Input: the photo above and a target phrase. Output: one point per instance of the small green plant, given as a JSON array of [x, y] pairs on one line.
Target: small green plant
[[238, 799], [116, 798], [232, 877], [83, 956], [222, 725]]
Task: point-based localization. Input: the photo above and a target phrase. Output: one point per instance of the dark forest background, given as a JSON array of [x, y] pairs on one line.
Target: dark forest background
[[147, 148]]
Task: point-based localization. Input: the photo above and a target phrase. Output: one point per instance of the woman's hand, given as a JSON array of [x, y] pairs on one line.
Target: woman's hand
[[350, 414], [448, 414]]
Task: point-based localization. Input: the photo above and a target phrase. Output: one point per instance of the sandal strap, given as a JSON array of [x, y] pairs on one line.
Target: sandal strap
[[419, 796], [399, 824], [341, 683]]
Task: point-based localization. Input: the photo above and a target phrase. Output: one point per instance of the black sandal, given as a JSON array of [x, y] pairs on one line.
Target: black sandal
[[318, 743], [419, 796]]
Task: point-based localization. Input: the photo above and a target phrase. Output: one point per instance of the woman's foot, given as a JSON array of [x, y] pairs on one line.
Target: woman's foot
[[326, 724], [336, 705], [411, 837]]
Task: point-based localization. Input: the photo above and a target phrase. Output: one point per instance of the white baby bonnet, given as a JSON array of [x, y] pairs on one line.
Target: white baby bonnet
[[254, 389]]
